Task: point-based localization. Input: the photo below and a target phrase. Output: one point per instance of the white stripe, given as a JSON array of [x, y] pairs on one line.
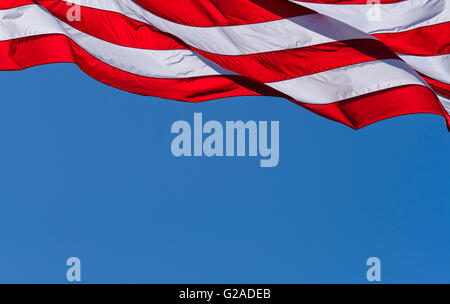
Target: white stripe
[[348, 82], [394, 17], [245, 39], [33, 20], [437, 67], [445, 103]]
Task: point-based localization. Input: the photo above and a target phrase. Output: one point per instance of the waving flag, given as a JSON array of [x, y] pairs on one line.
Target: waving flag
[[331, 57]]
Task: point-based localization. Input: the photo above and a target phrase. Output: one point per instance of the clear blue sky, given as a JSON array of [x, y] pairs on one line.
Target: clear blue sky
[[86, 171]]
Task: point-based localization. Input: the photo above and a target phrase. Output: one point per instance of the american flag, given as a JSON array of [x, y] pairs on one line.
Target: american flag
[[352, 61]]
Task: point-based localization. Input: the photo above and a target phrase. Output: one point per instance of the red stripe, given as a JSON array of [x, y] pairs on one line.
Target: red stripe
[[21, 53], [263, 67], [423, 41], [362, 111], [365, 2], [288, 64], [206, 13], [7, 4], [440, 87]]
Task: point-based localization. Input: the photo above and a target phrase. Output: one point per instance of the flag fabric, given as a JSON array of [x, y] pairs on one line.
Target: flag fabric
[[353, 61]]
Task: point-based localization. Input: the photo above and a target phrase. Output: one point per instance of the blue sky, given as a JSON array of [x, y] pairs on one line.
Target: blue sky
[[87, 171]]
